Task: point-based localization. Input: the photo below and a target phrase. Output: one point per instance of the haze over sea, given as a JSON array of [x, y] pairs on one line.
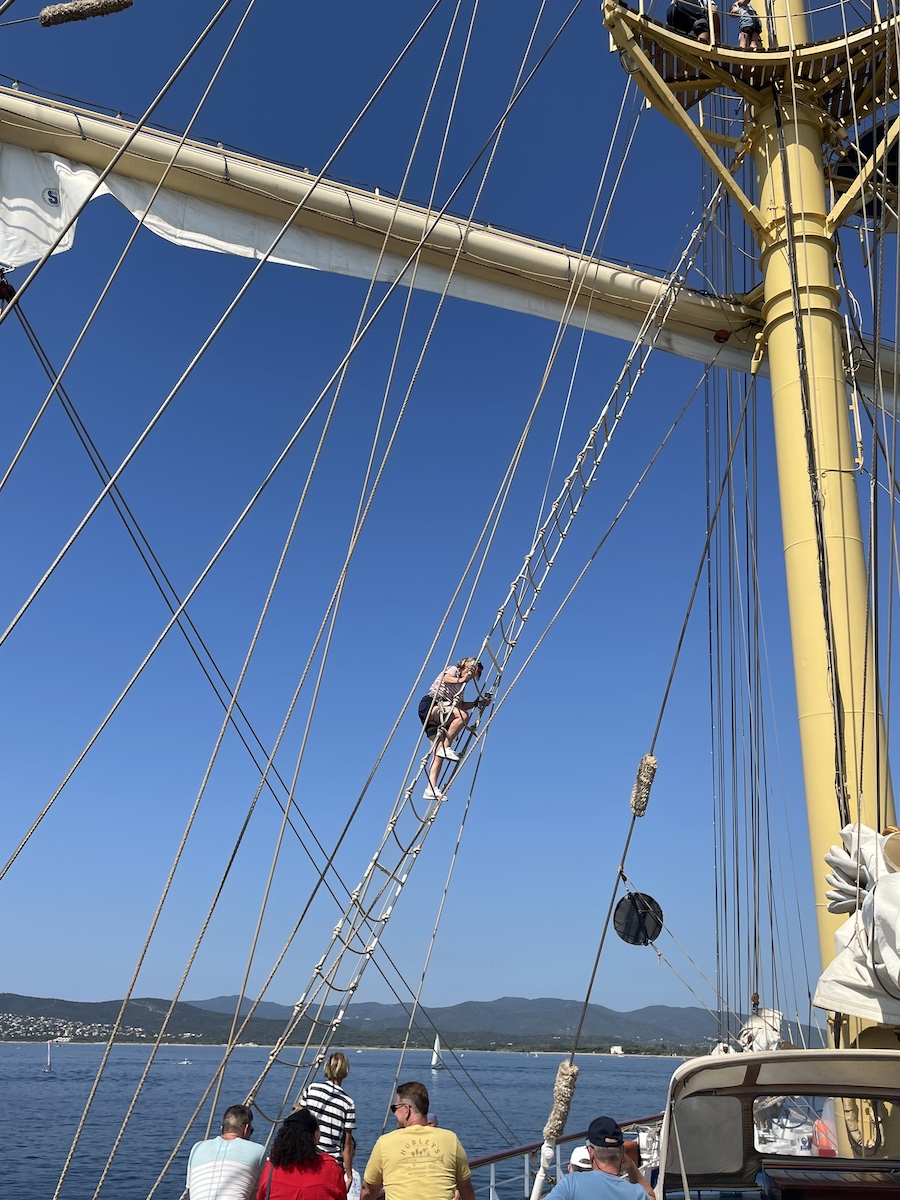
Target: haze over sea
[[515, 1092]]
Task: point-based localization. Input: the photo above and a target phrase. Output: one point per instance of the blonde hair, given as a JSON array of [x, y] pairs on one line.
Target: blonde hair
[[465, 663], [337, 1067]]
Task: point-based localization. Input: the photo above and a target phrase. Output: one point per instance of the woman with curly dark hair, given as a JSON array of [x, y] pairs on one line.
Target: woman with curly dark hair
[[296, 1169]]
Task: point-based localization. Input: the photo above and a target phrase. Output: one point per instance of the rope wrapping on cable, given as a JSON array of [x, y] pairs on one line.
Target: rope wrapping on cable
[[79, 10], [640, 793], [563, 1091]]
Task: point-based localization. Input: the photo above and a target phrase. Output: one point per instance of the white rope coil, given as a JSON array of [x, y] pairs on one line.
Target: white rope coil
[[80, 10], [640, 793]]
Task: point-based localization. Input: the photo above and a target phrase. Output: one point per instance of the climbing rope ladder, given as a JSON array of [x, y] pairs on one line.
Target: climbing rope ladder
[[358, 933]]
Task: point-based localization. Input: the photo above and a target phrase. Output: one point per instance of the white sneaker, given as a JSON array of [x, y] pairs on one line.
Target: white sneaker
[[447, 752], [431, 793]]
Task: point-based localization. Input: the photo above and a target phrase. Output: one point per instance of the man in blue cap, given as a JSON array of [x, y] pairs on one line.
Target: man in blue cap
[[605, 1180]]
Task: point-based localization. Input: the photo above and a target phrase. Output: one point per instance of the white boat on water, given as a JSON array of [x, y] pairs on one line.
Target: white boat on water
[[213, 540], [437, 1062]]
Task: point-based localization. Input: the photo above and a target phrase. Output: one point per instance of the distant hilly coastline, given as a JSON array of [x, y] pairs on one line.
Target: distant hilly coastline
[[514, 1017], [509, 1023]]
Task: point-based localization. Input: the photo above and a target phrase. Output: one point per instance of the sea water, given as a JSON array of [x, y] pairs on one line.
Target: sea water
[[492, 1100]]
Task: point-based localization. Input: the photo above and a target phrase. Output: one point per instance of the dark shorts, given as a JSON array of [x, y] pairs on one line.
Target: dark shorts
[[435, 714], [689, 19]]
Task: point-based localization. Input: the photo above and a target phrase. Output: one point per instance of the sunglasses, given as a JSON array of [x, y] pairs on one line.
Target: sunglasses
[[394, 1107]]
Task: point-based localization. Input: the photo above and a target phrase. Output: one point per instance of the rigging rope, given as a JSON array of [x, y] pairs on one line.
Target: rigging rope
[[57, 379], [518, 621], [219, 325], [593, 556], [627, 95], [724, 1034], [382, 890], [116, 158], [175, 616], [525, 588], [192, 633], [275, 1053], [364, 502], [162, 582], [458, 1065]]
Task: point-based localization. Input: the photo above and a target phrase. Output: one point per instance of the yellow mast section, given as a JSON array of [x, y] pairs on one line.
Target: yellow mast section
[[796, 99]]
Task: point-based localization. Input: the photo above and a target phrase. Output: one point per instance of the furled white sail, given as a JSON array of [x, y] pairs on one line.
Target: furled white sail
[[863, 979], [342, 233], [42, 191], [761, 1031], [225, 201]]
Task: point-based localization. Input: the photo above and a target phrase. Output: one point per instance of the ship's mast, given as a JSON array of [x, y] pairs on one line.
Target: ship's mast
[[841, 728], [792, 111]]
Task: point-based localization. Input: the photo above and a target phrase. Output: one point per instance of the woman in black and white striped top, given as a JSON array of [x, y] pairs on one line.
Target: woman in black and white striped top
[[335, 1111]]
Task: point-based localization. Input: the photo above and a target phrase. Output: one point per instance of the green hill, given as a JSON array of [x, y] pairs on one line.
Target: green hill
[[508, 1023]]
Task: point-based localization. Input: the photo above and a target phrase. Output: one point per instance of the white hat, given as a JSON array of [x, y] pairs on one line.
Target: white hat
[[581, 1158]]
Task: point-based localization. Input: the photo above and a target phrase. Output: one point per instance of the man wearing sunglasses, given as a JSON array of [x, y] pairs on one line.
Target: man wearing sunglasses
[[417, 1161], [227, 1167]]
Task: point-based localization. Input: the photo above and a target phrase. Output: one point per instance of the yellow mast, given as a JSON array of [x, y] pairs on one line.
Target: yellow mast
[[841, 727], [792, 110]]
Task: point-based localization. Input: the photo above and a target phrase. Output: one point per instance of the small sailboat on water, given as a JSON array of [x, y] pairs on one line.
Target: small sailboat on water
[[437, 1062], [48, 1070]]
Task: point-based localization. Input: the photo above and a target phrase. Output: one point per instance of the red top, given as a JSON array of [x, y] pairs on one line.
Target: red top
[[319, 1180]]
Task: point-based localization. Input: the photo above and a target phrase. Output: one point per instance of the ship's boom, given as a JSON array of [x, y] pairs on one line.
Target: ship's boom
[[493, 266], [353, 226]]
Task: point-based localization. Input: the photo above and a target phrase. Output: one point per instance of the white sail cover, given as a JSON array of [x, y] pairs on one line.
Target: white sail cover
[[761, 1031], [39, 193], [42, 191], [863, 979]]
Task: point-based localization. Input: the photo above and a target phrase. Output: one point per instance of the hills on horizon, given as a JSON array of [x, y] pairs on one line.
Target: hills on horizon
[[508, 1022], [517, 1017]]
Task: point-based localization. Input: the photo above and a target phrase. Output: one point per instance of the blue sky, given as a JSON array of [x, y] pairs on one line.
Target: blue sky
[[549, 813]]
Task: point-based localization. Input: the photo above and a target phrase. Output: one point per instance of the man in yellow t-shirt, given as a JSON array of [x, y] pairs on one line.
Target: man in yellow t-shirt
[[417, 1161]]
